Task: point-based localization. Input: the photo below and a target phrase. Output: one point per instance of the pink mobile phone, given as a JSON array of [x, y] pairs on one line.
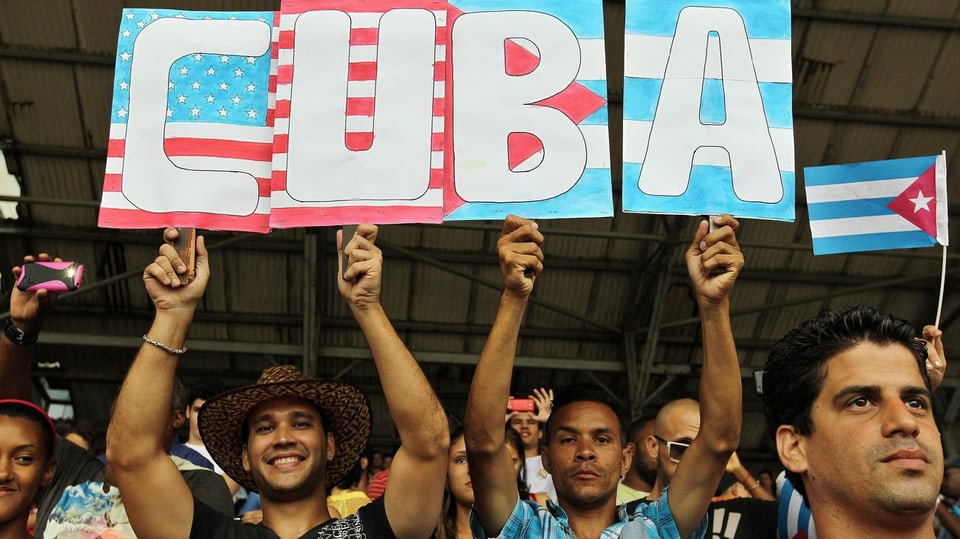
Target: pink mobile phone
[[53, 276]]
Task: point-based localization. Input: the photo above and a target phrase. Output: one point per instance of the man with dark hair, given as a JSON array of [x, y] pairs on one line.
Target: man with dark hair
[[643, 470], [585, 450], [198, 394], [847, 397], [287, 436], [76, 430]]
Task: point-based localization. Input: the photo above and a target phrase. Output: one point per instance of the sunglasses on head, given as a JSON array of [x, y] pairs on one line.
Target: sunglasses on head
[[674, 449]]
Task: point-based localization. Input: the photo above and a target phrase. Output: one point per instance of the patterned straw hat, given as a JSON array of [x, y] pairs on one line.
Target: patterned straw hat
[[345, 410]]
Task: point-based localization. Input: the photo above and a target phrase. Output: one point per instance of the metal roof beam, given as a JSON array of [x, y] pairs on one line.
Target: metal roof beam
[[59, 56], [897, 21]]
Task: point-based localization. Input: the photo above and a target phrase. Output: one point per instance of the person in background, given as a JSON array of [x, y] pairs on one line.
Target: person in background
[[530, 428], [642, 474], [78, 431], [27, 440], [79, 485]]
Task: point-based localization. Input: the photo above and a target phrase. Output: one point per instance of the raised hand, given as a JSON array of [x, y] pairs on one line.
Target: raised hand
[[360, 283], [162, 277], [521, 258], [544, 401], [714, 259], [29, 308]]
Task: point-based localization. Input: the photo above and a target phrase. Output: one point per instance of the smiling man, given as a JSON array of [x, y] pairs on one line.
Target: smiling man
[[848, 398], [286, 437]]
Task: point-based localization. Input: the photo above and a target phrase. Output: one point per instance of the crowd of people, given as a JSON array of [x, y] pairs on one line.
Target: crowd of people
[[847, 397]]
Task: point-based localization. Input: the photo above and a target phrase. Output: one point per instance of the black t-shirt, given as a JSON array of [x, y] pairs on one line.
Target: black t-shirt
[[370, 522], [743, 518]]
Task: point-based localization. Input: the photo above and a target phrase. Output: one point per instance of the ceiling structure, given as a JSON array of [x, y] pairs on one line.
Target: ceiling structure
[[872, 80]]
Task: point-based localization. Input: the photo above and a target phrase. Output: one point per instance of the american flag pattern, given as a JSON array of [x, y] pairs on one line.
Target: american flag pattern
[[218, 117], [359, 131]]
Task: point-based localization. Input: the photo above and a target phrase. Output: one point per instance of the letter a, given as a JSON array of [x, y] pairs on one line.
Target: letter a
[[677, 132]]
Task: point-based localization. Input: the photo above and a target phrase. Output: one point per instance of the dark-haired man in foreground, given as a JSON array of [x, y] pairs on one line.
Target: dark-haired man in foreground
[[847, 395], [585, 449]]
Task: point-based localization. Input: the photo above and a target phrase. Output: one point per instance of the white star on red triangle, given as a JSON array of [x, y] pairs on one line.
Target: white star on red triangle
[[921, 202]]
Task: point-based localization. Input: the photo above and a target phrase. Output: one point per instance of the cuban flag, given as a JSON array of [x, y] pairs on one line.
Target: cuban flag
[[894, 204]]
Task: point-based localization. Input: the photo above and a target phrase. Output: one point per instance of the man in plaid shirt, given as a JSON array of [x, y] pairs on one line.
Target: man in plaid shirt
[[585, 449]]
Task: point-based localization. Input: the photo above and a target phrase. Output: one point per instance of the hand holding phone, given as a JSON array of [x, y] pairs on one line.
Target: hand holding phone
[[521, 405], [52, 276]]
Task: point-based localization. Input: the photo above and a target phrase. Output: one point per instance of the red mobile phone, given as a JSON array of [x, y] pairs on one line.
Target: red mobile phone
[[521, 405]]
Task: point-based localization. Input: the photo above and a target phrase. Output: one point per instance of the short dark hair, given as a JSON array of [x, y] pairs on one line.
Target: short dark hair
[[78, 426], [204, 389], [637, 425], [28, 412], [796, 367], [584, 392], [178, 400]]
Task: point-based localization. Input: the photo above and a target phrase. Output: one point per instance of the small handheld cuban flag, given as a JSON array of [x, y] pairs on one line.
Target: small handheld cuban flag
[[894, 204]]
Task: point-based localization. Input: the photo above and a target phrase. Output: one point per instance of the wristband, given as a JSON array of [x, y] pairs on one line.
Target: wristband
[[165, 348], [18, 336]]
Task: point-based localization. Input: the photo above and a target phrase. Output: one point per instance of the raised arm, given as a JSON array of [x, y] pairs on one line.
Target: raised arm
[[156, 497], [714, 261], [414, 494], [28, 310], [491, 470]]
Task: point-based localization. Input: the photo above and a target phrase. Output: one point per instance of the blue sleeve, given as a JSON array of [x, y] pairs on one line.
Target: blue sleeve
[[656, 518], [524, 521]]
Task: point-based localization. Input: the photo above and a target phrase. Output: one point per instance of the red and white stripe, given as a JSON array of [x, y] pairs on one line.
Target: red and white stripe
[[361, 94]]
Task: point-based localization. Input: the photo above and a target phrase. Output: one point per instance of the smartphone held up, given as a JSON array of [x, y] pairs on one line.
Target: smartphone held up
[[52, 276], [515, 404]]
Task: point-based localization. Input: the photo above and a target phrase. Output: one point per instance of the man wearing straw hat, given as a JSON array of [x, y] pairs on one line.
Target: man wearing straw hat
[[285, 437]]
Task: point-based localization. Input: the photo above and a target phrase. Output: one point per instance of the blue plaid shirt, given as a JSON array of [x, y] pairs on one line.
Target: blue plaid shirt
[[530, 520]]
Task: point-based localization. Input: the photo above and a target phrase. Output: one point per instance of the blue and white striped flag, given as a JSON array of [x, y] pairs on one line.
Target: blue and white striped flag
[[876, 205], [794, 519]]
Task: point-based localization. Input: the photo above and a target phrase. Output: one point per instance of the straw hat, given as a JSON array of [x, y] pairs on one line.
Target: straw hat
[[345, 410]]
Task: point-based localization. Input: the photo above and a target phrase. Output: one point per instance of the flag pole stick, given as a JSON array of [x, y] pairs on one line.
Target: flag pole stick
[[943, 280]]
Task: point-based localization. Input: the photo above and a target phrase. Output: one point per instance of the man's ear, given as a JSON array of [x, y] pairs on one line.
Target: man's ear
[[331, 446], [245, 458], [652, 446], [544, 459], [791, 449], [626, 458], [179, 418]]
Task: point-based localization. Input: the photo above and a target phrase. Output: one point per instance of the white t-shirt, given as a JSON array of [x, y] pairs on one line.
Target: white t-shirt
[[202, 449], [538, 480]]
